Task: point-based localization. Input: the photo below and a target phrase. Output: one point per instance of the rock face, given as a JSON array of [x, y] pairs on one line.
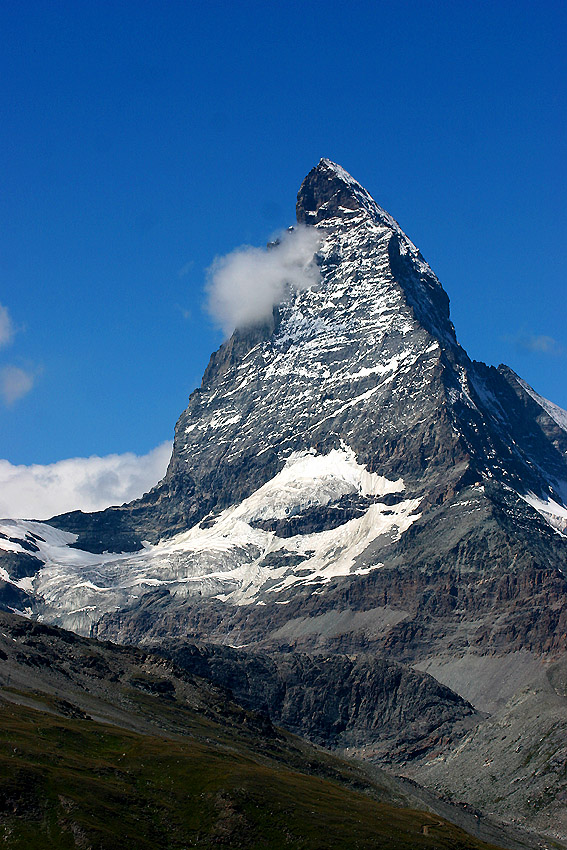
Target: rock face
[[365, 703], [345, 480]]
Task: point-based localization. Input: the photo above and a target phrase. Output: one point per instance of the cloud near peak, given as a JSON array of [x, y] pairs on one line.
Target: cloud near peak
[[244, 286], [540, 344], [80, 483]]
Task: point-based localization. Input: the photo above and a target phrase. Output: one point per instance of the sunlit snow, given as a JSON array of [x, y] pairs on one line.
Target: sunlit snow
[[554, 513], [228, 559]]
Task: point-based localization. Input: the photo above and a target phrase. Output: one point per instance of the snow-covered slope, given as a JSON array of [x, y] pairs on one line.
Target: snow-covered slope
[[233, 556]]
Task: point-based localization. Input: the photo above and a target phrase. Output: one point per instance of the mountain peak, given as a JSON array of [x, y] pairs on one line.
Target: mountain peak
[[329, 191], [328, 166]]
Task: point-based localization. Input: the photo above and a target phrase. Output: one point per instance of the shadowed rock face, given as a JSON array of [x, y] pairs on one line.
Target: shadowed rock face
[[366, 704]]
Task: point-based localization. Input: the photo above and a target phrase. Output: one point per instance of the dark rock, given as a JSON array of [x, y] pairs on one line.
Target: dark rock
[[390, 710], [320, 518], [12, 598], [19, 564]]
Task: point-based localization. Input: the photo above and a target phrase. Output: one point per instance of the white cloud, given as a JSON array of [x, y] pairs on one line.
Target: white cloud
[[245, 284], [7, 329], [80, 483], [14, 384]]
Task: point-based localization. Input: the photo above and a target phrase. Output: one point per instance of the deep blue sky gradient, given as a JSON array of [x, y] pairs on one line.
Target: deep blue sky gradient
[[141, 139]]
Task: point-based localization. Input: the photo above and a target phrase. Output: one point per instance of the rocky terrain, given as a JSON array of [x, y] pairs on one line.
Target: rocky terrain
[[362, 703], [104, 746], [520, 750]]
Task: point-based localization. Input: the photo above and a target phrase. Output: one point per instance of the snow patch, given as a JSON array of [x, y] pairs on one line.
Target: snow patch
[[231, 559], [557, 413], [309, 479], [553, 513]]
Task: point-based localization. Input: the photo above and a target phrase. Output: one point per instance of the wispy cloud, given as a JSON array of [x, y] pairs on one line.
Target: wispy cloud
[[185, 312], [15, 383], [540, 344], [88, 484], [184, 270], [7, 330], [244, 285]]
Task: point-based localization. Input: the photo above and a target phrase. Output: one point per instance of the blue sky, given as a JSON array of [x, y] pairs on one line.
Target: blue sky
[[142, 139]]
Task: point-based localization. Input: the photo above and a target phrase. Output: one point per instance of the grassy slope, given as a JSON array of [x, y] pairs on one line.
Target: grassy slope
[[107, 747], [67, 783]]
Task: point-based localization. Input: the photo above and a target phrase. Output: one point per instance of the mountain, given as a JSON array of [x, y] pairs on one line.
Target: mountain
[[346, 481], [323, 442]]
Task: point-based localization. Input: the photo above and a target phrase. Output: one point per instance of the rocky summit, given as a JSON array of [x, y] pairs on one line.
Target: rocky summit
[[345, 480]]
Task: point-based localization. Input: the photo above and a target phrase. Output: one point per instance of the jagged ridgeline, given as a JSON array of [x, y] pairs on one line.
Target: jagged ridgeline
[[347, 482]]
